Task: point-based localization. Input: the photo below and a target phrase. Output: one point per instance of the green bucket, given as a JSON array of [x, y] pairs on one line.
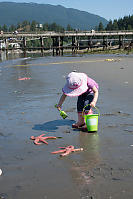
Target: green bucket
[[91, 120]]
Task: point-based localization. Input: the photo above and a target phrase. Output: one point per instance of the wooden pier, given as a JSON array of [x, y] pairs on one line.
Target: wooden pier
[[91, 38]]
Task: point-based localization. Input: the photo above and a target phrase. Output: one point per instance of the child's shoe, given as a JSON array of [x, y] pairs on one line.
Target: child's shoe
[[76, 126]]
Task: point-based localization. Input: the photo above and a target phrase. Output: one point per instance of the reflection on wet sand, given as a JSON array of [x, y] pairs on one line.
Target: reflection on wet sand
[[82, 170]]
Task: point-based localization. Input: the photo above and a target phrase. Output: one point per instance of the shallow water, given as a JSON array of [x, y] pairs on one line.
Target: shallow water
[[103, 169]]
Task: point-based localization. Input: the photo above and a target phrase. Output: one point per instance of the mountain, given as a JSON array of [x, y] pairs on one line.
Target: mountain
[[13, 13]]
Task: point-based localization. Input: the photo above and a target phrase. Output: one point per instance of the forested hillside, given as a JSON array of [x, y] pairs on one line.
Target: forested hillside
[[13, 13], [125, 23]]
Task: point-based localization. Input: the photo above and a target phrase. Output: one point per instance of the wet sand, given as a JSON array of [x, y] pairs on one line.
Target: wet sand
[[104, 169]]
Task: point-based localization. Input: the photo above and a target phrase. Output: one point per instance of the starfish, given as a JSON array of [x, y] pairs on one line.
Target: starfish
[[40, 138], [67, 150]]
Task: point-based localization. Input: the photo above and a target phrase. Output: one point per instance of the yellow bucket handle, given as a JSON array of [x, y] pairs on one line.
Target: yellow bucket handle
[[92, 107]]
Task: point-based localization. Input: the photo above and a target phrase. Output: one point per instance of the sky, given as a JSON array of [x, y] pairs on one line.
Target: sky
[[109, 9]]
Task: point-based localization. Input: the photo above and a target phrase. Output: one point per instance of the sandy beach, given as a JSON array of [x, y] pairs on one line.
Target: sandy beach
[[104, 169]]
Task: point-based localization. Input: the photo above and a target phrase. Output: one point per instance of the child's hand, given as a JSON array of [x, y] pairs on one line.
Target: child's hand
[[58, 107], [93, 104]]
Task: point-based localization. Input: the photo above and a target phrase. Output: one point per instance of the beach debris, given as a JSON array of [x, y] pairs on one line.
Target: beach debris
[[0, 172], [3, 196], [116, 113], [116, 179], [122, 113], [129, 131], [24, 78], [109, 59], [2, 134], [113, 60], [67, 150], [86, 177], [15, 91], [117, 60], [67, 131], [42, 138]]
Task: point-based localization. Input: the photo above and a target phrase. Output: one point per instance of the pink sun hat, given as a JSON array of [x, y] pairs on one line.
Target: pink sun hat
[[76, 84]]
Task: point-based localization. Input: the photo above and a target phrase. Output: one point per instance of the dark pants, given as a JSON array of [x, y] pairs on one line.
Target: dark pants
[[83, 100]]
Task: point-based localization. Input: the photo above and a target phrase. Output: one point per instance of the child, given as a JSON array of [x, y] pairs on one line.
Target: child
[[79, 84]]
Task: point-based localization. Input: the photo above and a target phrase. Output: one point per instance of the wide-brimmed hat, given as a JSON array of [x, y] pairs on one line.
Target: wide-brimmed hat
[[76, 84]]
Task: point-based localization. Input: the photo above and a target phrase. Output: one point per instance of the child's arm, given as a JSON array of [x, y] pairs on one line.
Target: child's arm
[[62, 99], [94, 101]]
